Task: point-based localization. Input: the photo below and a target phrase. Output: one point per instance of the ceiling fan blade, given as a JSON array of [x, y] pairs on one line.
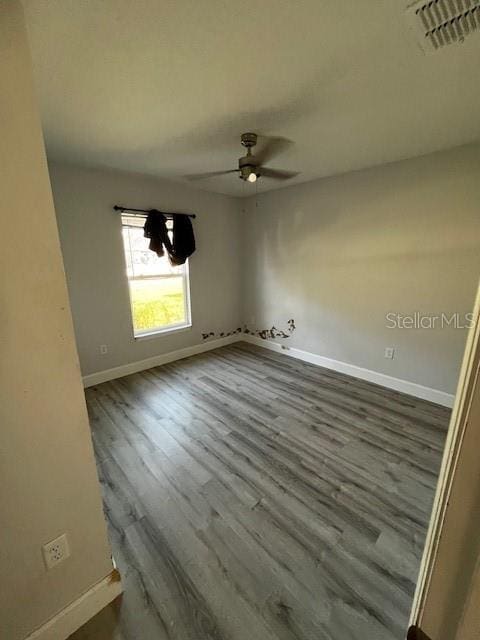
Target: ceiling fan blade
[[272, 148], [210, 174], [277, 174]]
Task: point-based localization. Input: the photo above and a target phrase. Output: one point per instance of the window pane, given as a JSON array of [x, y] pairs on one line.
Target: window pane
[[157, 303], [159, 292], [140, 260]]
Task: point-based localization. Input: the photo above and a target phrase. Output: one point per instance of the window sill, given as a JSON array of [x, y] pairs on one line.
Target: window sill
[[163, 332]]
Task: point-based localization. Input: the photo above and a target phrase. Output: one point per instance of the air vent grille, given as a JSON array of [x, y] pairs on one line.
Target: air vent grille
[[439, 23]]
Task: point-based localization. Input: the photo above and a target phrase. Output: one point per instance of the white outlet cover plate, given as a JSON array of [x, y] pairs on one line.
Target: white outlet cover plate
[[56, 551]]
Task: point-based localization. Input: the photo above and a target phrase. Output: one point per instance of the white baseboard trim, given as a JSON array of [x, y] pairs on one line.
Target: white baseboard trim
[[81, 610], [397, 384], [155, 361]]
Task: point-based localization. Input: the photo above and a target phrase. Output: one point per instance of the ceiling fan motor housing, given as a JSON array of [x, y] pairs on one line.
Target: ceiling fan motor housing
[[247, 165]]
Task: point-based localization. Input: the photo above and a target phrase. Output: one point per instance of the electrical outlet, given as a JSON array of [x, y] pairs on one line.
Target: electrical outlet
[[56, 551], [103, 349], [390, 352]]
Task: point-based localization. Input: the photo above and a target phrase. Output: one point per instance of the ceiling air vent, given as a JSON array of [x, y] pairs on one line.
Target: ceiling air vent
[[442, 22]]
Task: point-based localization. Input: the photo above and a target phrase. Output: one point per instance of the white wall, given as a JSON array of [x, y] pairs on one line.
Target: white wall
[[48, 482], [90, 233], [338, 254]]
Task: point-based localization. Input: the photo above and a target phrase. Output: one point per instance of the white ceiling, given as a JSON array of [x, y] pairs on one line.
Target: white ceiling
[[167, 87]]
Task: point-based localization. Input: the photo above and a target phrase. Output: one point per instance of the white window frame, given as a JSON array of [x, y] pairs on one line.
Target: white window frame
[[171, 328]]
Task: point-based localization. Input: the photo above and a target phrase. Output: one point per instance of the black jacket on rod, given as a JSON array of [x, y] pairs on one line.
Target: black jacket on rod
[[182, 244]]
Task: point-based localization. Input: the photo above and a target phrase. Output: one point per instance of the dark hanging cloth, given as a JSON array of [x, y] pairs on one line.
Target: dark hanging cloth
[[183, 239], [183, 243], [155, 228]]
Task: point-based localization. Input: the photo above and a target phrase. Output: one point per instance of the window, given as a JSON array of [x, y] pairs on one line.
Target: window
[[159, 293]]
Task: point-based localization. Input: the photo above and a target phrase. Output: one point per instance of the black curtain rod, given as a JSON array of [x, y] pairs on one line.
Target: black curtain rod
[[119, 208]]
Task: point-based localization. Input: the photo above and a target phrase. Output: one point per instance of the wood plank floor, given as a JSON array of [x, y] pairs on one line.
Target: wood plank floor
[[251, 496]]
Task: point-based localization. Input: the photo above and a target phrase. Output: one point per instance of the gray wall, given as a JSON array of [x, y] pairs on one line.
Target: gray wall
[[338, 254], [90, 233]]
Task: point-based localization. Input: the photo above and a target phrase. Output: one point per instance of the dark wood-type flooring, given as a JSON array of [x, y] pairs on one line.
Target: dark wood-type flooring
[[251, 496]]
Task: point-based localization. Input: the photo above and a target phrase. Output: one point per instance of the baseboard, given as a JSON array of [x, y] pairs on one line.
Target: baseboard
[[81, 610], [396, 384], [155, 361]]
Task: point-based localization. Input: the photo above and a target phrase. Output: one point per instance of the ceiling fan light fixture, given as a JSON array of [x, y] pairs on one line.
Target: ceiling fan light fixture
[[248, 172]]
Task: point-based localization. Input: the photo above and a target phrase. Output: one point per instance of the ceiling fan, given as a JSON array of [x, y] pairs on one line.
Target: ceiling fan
[[251, 166]]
